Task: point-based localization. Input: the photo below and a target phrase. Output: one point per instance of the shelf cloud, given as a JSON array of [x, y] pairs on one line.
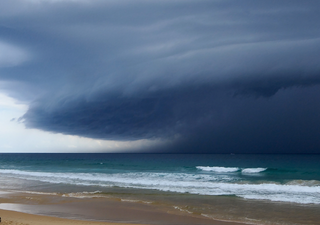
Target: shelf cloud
[[197, 76]]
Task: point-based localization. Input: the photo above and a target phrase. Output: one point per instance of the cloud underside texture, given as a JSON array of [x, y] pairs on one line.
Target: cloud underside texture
[[206, 76]]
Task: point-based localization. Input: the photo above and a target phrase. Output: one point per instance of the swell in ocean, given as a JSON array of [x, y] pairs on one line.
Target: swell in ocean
[[247, 183], [262, 189]]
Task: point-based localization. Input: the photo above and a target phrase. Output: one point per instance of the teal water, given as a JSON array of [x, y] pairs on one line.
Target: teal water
[[275, 178]]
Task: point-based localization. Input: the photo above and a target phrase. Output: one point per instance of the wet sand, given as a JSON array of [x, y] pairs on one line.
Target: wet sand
[[36, 209], [18, 218]]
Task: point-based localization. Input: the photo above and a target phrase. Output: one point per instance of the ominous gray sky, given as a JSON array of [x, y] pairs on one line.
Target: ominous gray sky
[[195, 76]]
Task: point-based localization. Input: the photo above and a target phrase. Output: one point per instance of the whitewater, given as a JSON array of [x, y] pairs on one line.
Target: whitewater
[[247, 177]]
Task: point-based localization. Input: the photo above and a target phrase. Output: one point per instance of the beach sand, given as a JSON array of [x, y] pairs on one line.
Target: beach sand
[[18, 218], [35, 209]]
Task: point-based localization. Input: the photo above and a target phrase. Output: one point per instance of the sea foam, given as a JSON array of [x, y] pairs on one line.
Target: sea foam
[[253, 170], [222, 183], [218, 169]]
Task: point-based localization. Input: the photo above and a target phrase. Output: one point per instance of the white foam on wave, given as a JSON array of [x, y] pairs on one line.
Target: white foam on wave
[[253, 170], [85, 194], [218, 169], [38, 193], [134, 180], [273, 192], [181, 209], [193, 183], [309, 183], [135, 201]]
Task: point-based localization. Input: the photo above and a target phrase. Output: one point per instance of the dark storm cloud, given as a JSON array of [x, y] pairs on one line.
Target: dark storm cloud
[[288, 123], [206, 76]]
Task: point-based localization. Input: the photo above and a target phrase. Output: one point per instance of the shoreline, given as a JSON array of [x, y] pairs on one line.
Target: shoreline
[[34, 209], [9, 217], [145, 190]]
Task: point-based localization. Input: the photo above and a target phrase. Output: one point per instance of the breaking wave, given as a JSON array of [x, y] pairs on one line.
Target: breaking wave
[[298, 191], [253, 170], [218, 169]]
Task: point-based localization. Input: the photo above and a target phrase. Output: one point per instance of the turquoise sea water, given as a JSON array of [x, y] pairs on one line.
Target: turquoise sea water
[[255, 189], [275, 178]]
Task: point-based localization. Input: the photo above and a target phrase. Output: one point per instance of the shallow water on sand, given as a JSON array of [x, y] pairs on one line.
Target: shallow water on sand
[[258, 189], [152, 205]]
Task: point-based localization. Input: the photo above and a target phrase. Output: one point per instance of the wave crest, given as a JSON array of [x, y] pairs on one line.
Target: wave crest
[[253, 170], [218, 169]]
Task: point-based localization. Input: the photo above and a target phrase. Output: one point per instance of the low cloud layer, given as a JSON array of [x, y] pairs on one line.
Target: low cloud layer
[[198, 76]]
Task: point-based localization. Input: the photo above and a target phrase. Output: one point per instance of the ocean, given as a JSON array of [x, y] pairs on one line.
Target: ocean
[[224, 186]]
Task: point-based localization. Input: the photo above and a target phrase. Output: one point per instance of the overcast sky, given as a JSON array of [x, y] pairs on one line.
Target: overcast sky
[[181, 76]]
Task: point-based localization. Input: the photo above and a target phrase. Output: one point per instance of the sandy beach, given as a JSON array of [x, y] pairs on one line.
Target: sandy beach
[[142, 189], [18, 218], [37, 209]]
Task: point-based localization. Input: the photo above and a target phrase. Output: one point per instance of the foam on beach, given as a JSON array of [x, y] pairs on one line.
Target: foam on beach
[[200, 184]]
